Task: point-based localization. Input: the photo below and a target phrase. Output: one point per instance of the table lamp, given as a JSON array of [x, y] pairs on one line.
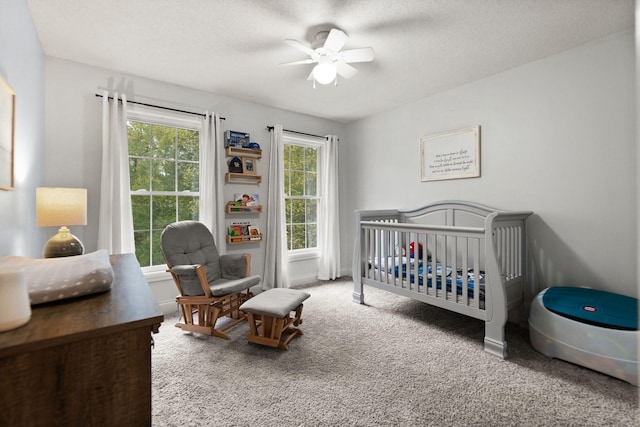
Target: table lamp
[[61, 207]]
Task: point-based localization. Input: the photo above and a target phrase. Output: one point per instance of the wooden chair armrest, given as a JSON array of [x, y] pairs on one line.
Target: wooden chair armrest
[[184, 270]]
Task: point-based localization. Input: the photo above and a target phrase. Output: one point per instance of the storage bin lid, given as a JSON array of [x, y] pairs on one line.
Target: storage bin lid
[[599, 308]]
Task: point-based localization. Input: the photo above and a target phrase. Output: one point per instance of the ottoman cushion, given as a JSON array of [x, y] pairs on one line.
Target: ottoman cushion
[[276, 302]]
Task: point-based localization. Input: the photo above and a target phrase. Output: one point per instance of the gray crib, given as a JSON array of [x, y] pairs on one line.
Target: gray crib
[[457, 255]]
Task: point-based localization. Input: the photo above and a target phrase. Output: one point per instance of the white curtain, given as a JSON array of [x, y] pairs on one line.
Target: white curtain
[[211, 198], [329, 219], [115, 224], [276, 273]]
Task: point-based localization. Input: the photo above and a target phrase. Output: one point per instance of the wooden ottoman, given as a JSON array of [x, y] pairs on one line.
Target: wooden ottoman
[[270, 316]]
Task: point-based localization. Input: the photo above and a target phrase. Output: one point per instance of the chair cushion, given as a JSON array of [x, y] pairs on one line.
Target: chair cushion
[[191, 242], [222, 287], [276, 302]]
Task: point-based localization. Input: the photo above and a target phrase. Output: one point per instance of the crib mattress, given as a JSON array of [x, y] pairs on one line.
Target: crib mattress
[[589, 328]]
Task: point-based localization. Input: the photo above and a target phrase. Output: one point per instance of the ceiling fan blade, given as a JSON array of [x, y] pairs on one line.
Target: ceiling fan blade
[[310, 75], [301, 62], [364, 54], [296, 44], [335, 40], [345, 70]]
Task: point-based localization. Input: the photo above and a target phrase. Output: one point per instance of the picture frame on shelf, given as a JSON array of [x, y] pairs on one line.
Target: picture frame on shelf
[[249, 165], [246, 199], [254, 233]]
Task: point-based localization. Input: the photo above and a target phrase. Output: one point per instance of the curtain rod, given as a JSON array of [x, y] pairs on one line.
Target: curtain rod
[[270, 128], [158, 106]]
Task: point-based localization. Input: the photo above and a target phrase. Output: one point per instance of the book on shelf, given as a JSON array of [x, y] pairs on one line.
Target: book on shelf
[[239, 229]]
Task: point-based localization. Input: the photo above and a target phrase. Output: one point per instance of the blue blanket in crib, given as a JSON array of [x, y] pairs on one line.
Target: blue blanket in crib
[[459, 277]]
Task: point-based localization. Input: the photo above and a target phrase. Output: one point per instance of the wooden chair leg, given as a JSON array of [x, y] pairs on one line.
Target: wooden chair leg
[[269, 331], [203, 317]]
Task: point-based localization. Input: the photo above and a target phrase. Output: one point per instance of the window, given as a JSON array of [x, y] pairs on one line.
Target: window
[[164, 173], [301, 196]]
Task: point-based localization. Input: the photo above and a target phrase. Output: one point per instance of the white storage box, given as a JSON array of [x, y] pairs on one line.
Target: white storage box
[[594, 329]]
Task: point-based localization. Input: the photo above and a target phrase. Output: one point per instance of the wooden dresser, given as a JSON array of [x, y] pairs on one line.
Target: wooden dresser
[[83, 361]]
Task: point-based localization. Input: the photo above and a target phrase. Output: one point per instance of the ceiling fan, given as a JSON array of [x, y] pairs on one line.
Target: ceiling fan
[[331, 61]]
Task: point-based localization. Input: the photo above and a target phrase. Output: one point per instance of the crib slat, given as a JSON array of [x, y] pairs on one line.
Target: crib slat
[[424, 260], [443, 266], [454, 269], [379, 247], [510, 252], [396, 260], [519, 249], [394, 240], [476, 273], [369, 266], [406, 238], [434, 264], [465, 269], [386, 255]]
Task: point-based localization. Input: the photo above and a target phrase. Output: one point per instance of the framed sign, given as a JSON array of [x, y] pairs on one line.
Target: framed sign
[[451, 155], [7, 121]]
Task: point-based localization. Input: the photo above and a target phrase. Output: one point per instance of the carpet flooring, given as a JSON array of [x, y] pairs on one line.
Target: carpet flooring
[[390, 362]]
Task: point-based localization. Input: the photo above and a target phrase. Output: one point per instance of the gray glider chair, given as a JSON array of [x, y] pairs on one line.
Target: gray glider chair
[[210, 285]]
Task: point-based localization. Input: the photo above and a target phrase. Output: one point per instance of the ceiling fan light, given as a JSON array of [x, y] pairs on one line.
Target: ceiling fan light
[[324, 73]]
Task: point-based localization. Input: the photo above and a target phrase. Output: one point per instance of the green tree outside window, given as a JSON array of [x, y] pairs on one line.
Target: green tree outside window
[[164, 172], [301, 196]]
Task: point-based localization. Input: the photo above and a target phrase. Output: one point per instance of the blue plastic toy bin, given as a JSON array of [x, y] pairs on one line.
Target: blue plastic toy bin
[[591, 328]]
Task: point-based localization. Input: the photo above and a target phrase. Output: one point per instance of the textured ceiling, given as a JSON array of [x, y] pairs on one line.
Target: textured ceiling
[[234, 47]]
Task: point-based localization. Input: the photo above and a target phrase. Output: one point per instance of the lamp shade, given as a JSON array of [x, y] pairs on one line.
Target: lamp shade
[[61, 206]]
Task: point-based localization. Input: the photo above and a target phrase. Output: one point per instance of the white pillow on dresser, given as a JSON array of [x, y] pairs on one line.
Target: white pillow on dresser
[[54, 279]]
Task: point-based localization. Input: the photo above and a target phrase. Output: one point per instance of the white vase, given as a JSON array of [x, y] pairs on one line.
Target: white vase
[[15, 308]]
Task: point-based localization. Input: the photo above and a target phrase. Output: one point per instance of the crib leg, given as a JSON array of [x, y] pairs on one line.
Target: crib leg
[[495, 347], [494, 342], [358, 294]]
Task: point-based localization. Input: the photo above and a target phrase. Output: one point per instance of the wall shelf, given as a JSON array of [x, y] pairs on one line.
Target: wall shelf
[[234, 240], [232, 208], [244, 152], [243, 177]]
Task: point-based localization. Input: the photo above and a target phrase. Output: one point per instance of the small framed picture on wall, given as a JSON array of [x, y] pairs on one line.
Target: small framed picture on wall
[[249, 165]]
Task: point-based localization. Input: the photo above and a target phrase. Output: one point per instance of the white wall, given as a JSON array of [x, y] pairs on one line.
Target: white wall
[[73, 149], [22, 67], [558, 138]]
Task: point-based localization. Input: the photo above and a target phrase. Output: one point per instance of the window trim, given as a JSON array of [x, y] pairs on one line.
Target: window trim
[[151, 115], [164, 117], [317, 142]]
